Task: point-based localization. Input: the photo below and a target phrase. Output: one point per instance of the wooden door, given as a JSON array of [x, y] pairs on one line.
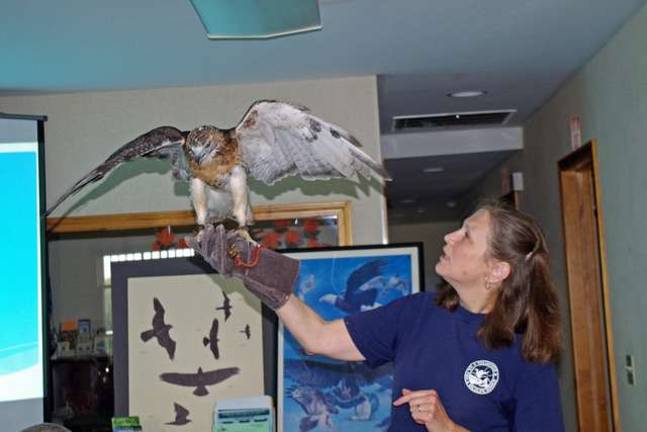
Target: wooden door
[[592, 338]]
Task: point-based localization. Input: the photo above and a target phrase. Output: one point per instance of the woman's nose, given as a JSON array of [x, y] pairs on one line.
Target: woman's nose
[[450, 236]]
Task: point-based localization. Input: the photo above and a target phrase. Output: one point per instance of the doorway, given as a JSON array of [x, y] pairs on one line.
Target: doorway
[[592, 337]]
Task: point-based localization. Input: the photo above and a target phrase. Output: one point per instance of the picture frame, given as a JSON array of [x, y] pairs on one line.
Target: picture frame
[[358, 398], [191, 295], [337, 211], [301, 226]]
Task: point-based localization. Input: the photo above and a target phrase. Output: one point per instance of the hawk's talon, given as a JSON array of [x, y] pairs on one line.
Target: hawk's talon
[[233, 251], [245, 234]]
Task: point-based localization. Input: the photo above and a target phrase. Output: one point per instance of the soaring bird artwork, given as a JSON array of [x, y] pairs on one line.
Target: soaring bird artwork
[[160, 330], [359, 294], [246, 331], [273, 140], [181, 415], [200, 380], [213, 340], [226, 306]]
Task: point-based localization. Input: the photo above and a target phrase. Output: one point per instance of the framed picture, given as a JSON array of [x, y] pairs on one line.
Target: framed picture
[[301, 226], [184, 338], [333, 216], [314, 392]]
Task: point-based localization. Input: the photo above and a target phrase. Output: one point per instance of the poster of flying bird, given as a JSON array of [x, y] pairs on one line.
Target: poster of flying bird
[[183, 309], [316, 393]]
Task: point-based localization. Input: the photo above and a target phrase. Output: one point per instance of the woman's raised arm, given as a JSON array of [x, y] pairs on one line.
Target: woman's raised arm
[[315, 335]]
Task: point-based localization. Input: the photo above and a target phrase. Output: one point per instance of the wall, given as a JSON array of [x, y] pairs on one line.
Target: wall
[[76, 273], [610, 95], [85, 128], [431, 234]]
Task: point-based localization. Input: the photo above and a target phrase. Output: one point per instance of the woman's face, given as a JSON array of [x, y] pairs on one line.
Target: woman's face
[[464, 262]]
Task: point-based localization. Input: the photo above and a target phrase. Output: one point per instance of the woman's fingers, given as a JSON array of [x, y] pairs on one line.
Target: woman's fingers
[[423, 404], [413, 397]]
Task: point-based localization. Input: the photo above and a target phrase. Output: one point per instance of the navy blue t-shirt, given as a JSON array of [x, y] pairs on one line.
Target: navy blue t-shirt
[[433, 348]]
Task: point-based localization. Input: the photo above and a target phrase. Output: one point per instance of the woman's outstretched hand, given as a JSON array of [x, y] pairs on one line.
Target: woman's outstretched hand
[[427, 409]]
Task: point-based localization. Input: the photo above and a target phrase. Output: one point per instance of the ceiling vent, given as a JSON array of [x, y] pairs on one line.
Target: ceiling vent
[[458, 119]]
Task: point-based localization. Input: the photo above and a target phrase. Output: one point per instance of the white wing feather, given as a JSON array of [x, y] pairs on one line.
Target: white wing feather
[[278, 140]]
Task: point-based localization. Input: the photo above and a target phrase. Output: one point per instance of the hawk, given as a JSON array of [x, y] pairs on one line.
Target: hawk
[[273, 140]]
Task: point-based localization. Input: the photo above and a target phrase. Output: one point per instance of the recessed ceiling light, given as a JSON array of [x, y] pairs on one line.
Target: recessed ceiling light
[[451, 203], [433, 169], [407, 201], [467, 93]]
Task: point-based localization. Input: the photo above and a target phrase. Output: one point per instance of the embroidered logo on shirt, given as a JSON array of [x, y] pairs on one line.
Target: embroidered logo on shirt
[[481, 376]]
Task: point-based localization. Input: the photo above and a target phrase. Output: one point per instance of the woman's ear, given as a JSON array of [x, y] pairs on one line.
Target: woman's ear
[[499, 271]]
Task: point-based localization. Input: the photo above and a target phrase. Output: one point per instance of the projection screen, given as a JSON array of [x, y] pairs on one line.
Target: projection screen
[[22, 267]]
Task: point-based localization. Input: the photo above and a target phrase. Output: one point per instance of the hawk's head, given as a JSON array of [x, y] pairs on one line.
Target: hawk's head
[[204, 143]]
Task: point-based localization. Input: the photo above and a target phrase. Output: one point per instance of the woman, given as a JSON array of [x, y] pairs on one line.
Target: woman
[[478, 356]]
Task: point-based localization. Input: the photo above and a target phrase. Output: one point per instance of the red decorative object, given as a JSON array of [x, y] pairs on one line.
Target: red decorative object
[[295, 233], [292, 238], [281, 224], [165, 239], [271, 240], [311, 226], [313, 243]]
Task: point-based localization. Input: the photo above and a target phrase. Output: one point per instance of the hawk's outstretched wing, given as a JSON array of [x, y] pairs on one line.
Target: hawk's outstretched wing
[[277, 140], [164, 142]]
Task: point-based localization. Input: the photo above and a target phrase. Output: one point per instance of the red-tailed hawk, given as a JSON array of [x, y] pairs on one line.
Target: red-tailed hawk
[[273, 140]]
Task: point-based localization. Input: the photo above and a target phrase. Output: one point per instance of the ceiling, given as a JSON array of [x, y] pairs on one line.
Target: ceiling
[[519, 51]]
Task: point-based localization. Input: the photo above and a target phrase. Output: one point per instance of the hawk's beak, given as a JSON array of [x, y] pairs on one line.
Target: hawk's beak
[[206, 153]]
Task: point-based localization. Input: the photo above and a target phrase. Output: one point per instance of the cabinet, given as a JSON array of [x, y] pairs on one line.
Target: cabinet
[[81, 393]]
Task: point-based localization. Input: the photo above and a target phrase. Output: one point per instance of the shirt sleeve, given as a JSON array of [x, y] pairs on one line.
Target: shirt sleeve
[[538, 402], [375, 332]]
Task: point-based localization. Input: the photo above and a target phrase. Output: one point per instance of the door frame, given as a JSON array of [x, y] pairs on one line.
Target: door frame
[[581, 166]]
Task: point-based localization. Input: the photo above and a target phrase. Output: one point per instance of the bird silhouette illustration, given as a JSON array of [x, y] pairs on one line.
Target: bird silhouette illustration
[[226, 306], [200, 380], [181, 415], [247, 332], [212, 340], [160, 330]]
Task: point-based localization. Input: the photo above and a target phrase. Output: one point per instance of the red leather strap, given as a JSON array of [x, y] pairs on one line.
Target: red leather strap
[[256, 254]]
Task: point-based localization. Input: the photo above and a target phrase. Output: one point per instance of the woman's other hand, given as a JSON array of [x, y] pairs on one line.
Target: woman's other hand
[[427, 409]]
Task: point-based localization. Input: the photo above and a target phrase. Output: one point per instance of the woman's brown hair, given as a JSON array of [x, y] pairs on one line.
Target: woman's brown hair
[[527, 303]]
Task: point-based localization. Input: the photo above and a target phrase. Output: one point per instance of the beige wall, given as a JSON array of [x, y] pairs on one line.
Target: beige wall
[[85, 128], [431, 235]]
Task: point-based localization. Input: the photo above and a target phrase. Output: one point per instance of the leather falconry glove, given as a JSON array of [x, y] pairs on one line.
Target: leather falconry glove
[[267, 274]]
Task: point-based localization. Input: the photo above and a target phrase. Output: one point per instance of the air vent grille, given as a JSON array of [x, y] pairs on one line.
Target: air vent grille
[[458, 119]]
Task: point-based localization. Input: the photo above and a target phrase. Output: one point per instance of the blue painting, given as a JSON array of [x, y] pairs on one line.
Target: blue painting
[[320, 394]]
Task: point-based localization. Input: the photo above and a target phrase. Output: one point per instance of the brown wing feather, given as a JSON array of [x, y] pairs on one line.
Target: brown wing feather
[[162, 142]]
